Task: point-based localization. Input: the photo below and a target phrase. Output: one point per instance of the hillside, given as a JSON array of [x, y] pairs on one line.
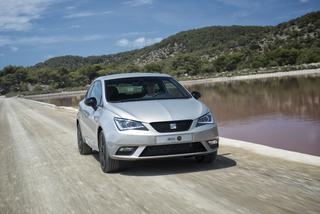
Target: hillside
[[204, 51], [208, 42], [212, 42]]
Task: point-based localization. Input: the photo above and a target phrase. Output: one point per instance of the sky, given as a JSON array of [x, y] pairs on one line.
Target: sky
[[32, 31]]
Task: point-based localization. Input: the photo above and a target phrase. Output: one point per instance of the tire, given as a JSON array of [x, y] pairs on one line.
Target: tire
[[84, 149], [210, 158], [107, 163]]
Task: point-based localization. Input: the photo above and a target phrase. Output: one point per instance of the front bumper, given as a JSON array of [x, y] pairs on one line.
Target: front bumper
[[198, 141]]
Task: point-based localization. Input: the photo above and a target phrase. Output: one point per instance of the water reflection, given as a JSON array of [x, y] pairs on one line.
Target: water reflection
[[299, 97], [67, 101], [283, 113]]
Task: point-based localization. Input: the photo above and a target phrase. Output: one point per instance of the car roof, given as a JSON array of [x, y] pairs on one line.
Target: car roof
[[129, 75]]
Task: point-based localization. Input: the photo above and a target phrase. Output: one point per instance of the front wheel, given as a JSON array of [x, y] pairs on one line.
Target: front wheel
[[84, 149], [207, 158], [107, 163]]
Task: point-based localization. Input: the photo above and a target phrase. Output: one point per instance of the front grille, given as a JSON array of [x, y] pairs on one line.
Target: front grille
[[172, 126], [174, 149]]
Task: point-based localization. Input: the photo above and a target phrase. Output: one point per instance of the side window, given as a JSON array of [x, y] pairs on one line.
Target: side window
[[88, 94], [97, 92]]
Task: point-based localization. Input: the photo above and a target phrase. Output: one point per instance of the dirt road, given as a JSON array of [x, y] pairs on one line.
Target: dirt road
[[41, 171]]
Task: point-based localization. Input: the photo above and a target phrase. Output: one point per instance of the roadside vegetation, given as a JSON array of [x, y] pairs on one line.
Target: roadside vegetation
[[199, 53]]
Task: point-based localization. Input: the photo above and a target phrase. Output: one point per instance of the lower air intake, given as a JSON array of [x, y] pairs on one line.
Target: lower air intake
[[174, 149]]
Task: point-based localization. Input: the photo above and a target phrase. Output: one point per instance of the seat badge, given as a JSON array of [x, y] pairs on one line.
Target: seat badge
[[173, 126]]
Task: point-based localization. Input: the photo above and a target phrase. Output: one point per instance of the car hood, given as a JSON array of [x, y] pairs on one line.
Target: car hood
[[160, 110]]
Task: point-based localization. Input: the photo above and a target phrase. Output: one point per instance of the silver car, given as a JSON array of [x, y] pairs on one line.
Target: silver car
[[138, 116]]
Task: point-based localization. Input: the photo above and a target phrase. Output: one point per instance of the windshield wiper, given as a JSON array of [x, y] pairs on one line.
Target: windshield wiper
[[128, 100]]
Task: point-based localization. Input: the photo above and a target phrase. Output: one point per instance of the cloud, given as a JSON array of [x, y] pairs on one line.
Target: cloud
[[70, 8], [49, 28], [17, 15], [137, 43], [43, 40], [14, 49], [4, 40], [237, 3], [141, 41], [135, 3], [242, 8], [242, 4], [304, 1], [136, 33], [86, 14], [48, 56], [74, 26], [123, 42]]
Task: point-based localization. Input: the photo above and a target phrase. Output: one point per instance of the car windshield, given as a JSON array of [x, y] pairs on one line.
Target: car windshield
[[144, 88]]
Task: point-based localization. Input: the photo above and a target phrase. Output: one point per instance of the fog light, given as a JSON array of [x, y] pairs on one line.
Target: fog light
[[126, 150], [213, 143]]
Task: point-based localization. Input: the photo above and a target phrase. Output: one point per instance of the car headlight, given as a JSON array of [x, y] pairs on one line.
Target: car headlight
[[205, 119], [125, 124]]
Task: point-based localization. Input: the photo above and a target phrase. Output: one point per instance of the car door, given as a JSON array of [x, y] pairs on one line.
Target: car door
[[84, 111], [93, 115]]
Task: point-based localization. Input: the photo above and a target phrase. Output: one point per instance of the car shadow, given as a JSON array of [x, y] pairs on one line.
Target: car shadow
[[155, 167]]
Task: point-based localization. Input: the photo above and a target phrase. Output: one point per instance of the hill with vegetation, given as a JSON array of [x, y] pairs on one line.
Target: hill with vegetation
[[202, 52]]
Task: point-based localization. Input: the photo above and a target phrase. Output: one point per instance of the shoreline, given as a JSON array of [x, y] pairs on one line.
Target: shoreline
[[306, 72], [272, 151]]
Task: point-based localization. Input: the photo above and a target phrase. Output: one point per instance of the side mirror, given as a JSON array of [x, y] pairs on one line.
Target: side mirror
[[196, 94], [91, 102]]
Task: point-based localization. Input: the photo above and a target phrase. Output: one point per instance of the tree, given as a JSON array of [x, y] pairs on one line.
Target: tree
[[186, 63], [309, 56], [90, 71], [153, 67]]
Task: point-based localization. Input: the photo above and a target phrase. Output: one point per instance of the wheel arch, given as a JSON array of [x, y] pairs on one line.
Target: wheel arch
[[98, 132]]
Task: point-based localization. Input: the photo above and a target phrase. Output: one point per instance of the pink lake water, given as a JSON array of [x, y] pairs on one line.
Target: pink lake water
[[281, 112]]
